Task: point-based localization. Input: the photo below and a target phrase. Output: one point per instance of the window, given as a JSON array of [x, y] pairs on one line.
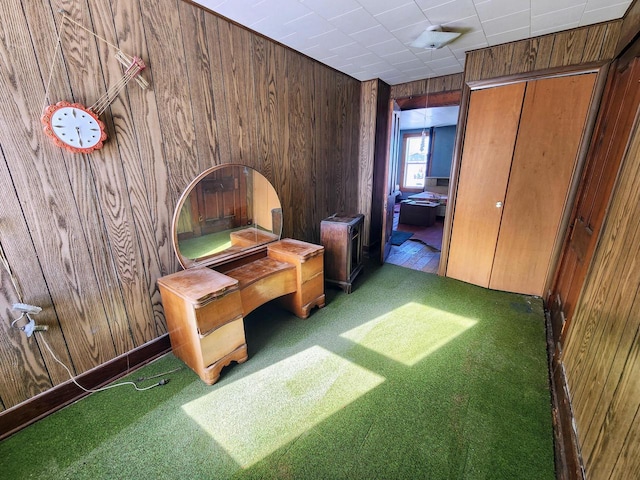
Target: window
[[415, 158]]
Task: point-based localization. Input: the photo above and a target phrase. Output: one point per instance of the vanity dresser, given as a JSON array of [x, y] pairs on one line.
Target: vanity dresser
[[226, 235]]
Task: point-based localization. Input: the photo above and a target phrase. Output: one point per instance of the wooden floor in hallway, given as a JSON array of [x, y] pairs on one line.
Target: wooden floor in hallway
[[422, 250]]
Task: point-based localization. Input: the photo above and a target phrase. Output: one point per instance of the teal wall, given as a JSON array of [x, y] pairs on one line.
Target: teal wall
[[443, 142]]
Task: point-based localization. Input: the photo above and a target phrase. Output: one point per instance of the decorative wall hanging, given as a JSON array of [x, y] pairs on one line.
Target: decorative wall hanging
[[74, 126]]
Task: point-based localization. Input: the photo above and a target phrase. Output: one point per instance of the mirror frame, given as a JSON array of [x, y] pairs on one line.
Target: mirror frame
[[225, 256]]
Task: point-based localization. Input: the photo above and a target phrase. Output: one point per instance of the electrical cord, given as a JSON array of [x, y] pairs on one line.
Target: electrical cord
[[142, 379], [163, 381]]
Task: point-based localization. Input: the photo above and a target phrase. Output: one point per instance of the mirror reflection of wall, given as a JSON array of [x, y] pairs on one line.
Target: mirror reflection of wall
[[225, 210]]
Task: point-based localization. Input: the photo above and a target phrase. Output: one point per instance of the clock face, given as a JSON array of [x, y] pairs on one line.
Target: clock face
[[74, 127]]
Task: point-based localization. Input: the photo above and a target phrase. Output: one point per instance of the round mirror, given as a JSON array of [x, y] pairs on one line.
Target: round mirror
[[226, 211]]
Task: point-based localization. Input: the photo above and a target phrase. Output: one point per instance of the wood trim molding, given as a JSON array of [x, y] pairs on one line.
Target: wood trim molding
[[593, 67], [568, 461], [440, 99], [28, 412]]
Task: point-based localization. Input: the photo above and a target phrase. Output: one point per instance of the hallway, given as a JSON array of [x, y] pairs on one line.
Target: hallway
[[422, 250]]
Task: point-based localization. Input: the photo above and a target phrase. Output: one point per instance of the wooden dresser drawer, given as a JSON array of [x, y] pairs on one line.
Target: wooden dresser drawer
[[221, 341], [218, 311]]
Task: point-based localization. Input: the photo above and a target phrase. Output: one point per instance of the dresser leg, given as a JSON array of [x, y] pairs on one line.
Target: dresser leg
[[211, 374]]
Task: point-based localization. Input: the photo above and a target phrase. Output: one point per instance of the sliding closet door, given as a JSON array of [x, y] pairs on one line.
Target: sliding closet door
[[553, 119], [490, 134]]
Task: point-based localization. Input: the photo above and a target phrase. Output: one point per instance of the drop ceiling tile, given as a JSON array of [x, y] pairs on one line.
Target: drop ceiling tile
[[354, 21], [425, 4], [557, 19], [249, 11], [395, 79], [328, 9], [511, 36], [506, 23], [490, 10], [376, 7], [399, 58], [448, 70], [409, 66], [352, 50], [602, 14], [280, 11], [540, 7], [373, 35], [387, 48], [426, 55], [333, 39], [553, 29], [274, 30], [319, 52], [597, 4], [409, 33], [311, 25], [401, 17], [299, 42], [364, 60], [469, 40], [450, 11], [444, 63], [467, 25]]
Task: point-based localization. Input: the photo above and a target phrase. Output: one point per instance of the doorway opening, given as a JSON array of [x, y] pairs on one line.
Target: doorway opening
[[422, 166]]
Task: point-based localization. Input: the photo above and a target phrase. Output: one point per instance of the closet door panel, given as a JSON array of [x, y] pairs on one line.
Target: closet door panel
[[551, 126], [490, 134]]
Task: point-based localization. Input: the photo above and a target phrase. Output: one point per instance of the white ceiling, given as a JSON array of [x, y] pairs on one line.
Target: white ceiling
[[369, 38]]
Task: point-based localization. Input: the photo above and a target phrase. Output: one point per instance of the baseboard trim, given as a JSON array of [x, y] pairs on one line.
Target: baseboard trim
[[32, 410], [568, 461]]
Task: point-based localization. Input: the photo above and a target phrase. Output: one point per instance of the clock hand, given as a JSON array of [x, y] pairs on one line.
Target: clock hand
[[78, 132]]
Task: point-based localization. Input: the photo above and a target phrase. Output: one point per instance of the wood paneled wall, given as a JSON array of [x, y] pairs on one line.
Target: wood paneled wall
[[374, 107], [579, 46], [446, 83], [602, 350], [88, 235]]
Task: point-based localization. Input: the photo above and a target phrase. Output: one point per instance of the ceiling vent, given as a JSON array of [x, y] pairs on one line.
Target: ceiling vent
[[434, 37]]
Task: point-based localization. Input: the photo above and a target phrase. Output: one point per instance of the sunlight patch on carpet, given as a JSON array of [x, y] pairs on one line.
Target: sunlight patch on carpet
[[409, 333], [253, 417]]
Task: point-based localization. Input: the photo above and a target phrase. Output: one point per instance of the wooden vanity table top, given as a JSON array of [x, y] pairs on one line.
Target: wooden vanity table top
[[288, 246], [257, 270], [198, 284]]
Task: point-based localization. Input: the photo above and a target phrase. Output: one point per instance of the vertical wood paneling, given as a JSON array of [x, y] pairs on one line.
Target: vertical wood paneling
[[198, 72], [147, 179], [602, 350], [168, 64], [446, 83], [595, 43], [116, 205], [88, 235], [43, 187], [237, 72], [368, 101], [568, 47]]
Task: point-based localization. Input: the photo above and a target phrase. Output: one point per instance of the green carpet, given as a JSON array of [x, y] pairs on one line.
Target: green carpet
[[411, 376]]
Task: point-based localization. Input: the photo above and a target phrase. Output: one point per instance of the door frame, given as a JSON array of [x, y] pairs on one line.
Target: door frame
[[431, 99]]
